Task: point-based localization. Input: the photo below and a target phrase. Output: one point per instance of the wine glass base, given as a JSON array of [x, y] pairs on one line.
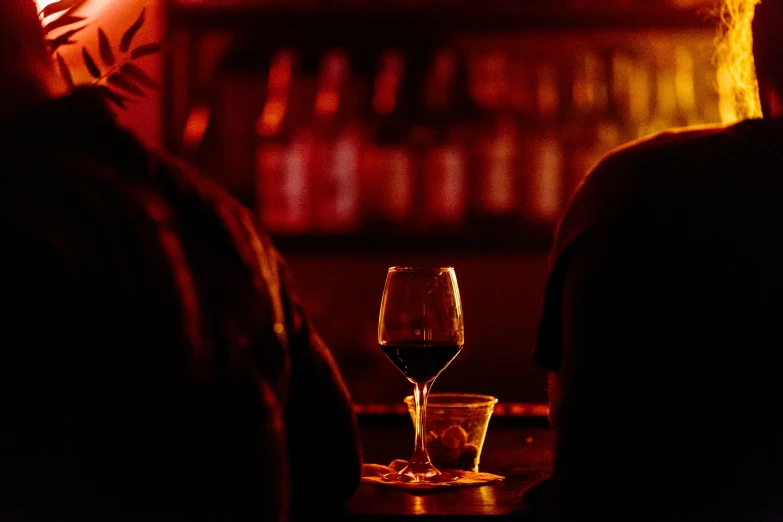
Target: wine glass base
[[433, 477]]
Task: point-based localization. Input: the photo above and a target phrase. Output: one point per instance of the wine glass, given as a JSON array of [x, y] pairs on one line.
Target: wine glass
[[420, 330]]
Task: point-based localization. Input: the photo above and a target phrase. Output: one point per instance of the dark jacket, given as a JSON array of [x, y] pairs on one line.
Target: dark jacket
[[662, 325], [154, 358]]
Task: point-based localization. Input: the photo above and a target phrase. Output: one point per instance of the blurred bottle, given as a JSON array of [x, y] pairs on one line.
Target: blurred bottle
[[543, 157], [592, 129], [631, 92], [336, 141], [386, 162], [688, 112], [495, 145], [440, 141], [221, 134], [675, 104], [283, 148]]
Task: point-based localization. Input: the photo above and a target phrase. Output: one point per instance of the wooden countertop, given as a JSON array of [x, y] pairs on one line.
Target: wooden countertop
[[519, 448]]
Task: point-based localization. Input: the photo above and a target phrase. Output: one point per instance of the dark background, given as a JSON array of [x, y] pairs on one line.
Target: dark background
[[501, 270]]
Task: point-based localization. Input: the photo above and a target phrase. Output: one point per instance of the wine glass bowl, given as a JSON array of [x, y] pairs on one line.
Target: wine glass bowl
[[420, 329]]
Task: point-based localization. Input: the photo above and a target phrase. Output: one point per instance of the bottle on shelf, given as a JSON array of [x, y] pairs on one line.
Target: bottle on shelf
[[223, 131], [592, 128], [540, 183], [631, 91], [495, 145], [440, 143], [336, 143], [283, 148], [666, 112], [387, 176], [685, 86]]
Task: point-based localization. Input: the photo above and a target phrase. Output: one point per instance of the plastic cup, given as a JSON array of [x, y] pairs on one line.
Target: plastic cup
[[456, 427]]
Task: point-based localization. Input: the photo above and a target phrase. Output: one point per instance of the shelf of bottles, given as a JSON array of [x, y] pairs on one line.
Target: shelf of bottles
[[478, 138], [450, 14]]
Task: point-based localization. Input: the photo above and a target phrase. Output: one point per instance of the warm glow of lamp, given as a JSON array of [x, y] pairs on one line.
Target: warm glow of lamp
[[90, 8], [43, 3]]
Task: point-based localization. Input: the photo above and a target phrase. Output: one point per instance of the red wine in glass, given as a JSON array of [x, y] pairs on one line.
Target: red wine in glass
[[421, 361]]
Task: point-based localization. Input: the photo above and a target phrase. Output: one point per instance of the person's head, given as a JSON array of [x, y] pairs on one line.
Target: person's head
[[20, 30], [28, 70], [767, 28]]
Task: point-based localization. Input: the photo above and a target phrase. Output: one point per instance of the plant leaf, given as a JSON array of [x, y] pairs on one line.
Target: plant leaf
[[75, 6], [66, 73], [90, 63], [62, 21], [125, 84], [107, 55], [52, 8], [57, 7], [135, 72], [114, 97], [63, 39], [127, 38], [54, 45], [144, 50]]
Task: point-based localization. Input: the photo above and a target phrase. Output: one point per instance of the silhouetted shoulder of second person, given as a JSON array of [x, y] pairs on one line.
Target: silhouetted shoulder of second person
[[659, 324]]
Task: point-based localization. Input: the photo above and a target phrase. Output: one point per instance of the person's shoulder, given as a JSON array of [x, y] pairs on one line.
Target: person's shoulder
[[194, 186], [191, 182], [639, 163], [623, 182], [678, 136], [195, 195]]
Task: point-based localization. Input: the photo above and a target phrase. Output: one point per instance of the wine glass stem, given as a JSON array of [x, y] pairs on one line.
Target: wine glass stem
[[420, 455]]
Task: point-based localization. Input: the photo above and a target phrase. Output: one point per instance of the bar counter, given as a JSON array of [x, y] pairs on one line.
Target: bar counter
[[518, 447]]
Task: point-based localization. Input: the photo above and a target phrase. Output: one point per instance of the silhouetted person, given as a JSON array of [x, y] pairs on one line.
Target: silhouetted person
[[663, 323], [154, 362]]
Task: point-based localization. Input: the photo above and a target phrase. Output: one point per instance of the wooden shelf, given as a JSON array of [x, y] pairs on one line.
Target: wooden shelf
[[406, 15], [538, 240]]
